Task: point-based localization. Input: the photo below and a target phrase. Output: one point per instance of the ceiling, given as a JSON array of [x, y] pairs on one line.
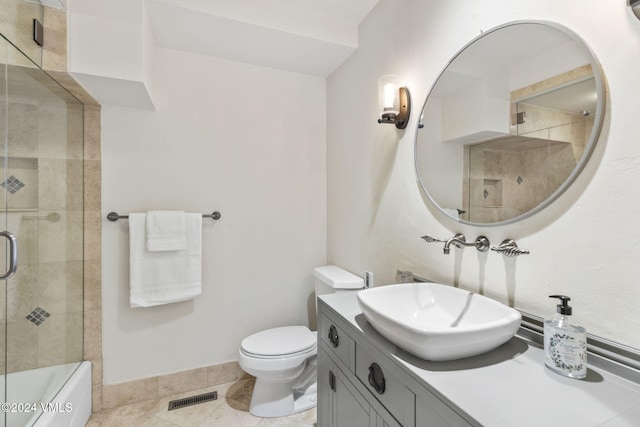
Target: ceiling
[[109, 40], [307, 36]]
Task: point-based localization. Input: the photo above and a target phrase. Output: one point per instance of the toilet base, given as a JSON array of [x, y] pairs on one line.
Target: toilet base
[[280, 399]]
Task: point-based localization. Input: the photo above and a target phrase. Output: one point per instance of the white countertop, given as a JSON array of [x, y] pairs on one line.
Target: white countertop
[[510, 385]]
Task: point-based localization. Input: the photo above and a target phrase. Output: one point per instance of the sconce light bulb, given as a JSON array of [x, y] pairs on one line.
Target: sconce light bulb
[[390, 97]]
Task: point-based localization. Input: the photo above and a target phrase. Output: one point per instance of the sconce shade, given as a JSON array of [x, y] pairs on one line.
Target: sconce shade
[[388, 97], [394, 102]]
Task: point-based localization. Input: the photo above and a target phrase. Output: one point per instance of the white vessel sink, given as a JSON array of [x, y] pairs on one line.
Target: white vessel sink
[[438, 322]]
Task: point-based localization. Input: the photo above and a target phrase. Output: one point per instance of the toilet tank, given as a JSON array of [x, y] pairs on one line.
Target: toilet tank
[[331, 278]]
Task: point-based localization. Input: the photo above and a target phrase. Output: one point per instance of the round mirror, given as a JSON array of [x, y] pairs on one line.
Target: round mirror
[[509, 123]]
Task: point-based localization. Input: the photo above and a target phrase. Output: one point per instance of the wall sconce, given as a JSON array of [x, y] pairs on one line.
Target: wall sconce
[[394, 102], [635, 6]]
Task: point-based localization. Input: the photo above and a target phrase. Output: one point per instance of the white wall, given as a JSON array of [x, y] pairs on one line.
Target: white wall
[[111, 51], [586, 244], [247, 141]]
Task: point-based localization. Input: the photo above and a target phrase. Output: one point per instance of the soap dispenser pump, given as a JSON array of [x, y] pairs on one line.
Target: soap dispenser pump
[[565, 345]]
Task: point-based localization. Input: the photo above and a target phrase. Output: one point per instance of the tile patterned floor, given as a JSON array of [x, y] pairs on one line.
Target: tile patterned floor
[[231, 409]]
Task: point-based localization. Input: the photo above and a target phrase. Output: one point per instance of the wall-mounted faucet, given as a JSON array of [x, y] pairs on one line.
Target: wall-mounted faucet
[[508, 247], [481, 244]]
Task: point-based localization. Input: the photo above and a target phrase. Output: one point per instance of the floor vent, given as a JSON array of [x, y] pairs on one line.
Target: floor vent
[[193, 400]]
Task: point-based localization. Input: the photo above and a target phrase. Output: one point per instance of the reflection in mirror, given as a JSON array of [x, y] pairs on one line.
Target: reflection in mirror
[[509, 123]]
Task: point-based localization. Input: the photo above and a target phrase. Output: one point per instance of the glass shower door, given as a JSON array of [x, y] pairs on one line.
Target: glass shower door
[[41, 197], [3, 222]]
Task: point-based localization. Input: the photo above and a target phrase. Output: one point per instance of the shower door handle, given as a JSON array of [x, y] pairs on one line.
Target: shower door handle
[[13, 254]]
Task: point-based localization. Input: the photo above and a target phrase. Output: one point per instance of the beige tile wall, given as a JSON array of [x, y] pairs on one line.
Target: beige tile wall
[[54, 63], [16, 22]]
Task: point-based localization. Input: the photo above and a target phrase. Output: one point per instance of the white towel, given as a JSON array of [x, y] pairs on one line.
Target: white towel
[[166, 231], [163, 277]]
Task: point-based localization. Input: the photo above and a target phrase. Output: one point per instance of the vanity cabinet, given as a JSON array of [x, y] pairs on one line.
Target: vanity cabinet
[[341, 398], [365, 380], [358, 385]]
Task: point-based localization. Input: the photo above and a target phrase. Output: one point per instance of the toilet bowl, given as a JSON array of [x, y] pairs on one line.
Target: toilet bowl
[[284, 359]]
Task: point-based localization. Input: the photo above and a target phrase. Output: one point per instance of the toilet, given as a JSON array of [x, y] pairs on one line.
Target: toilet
[[283, 359]]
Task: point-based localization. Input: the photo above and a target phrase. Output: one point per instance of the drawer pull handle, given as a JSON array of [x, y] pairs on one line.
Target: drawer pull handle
[[333, 336], [376, 378], [332, 381]]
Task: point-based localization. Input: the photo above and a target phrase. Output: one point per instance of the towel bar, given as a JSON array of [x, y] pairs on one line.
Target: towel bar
[[114, 216]]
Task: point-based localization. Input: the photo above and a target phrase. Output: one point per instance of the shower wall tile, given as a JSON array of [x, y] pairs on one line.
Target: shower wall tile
[[60, 129], [93, 182], [92, 285], [54, 54], [92, 235], [3, 348], [93, 352], [25, 227], [93, 335], [92, 130], [65, 328], [60, 286], [574, 134], [543, 118], [493, 164], [22, 293], [562, 161], [23, 193], [91, 152], [22, 345], [60, 184], [52, 129], [61, 240], [92, 250], [16, 23], [23, 130]]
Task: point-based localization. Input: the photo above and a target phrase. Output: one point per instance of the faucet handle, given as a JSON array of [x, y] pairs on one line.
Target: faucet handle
[[509, 248], [430, 239]]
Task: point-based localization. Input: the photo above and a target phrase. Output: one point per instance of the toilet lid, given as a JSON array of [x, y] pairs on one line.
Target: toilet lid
[[279, 341]]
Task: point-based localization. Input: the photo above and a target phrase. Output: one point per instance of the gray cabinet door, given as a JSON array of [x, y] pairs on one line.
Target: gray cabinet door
[[350, 408], [339, 403], [325, 393]]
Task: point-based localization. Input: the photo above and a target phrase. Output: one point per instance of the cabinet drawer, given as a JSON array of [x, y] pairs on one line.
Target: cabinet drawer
[[378, 377], [337, 341]]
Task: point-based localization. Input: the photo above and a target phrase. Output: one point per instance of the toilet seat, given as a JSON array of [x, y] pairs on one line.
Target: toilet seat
[[276, 343]]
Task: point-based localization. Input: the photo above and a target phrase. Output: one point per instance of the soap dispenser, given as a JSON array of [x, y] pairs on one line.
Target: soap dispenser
[[565, 345]]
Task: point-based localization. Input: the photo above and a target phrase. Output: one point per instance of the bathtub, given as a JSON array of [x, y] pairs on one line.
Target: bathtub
[[34, 397]]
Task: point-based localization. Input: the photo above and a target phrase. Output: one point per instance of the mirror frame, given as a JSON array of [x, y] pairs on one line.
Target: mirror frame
[[589, 147]]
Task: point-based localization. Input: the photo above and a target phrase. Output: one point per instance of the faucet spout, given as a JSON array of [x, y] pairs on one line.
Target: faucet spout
[[481, 243], [458, 240]]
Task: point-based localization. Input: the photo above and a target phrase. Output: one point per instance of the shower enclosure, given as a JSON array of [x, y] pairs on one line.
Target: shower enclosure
[[41, 204]]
